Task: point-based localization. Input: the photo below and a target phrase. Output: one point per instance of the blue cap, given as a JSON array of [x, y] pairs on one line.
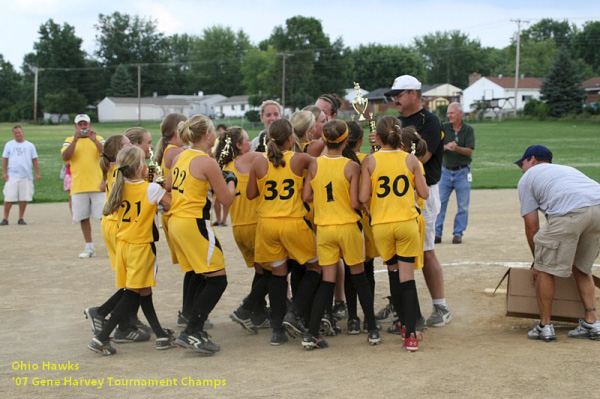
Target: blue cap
[[538, 151]]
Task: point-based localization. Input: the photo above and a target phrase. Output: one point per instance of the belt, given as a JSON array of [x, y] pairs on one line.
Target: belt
[[457, 167]]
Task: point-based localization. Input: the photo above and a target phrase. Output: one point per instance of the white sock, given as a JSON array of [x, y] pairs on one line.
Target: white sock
[[89, 245], [440, 302]]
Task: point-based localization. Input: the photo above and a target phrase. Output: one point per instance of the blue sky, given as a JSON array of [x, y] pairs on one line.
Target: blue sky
[[357, 22]]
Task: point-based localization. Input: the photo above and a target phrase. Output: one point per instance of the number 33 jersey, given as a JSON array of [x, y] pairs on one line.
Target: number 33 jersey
[[191, 197], [281, 192], [137, 215], [392, 188]]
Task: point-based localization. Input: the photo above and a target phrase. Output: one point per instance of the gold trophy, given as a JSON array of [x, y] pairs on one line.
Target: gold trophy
[[154, 168], [359, 103]]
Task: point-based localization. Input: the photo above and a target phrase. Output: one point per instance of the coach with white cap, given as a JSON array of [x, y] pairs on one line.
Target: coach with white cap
[[406, 95], [82, 151]]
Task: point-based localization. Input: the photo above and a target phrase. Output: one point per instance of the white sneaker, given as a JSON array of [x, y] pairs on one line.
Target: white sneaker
[[87, 253]]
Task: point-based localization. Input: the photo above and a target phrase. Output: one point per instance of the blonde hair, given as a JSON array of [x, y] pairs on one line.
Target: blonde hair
[[136, 134], [194, 129], [302, 122], [389, 131], [266, 103], [130, 161], [168, 129], [279, 132], [112, 146]]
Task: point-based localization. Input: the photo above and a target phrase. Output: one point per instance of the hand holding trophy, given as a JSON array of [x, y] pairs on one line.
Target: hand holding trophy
[[154, 169], [360, 106]]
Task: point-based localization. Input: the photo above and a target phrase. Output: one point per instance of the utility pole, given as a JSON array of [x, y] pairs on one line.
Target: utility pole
[[283, 79], [35, 93], [518, 21], [139, 95]]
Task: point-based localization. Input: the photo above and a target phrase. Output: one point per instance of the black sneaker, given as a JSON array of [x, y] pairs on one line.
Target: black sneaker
[[21, 222], [199, 342], [293, 324], [329, 327], [340, 311], [244, 318], [386, 312], [103, 348], [95, 319], [167, 342], [182, 321], [132, 334], [353, 326], [137, 323], [395, 328], [279, 337], [261, 320], [374, 337], [311, 342], [4, 222]]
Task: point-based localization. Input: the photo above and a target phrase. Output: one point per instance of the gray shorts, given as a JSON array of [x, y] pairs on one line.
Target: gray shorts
[[569, 240]]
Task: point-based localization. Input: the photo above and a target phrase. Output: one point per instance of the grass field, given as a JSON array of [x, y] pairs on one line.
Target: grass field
[[497, 146]]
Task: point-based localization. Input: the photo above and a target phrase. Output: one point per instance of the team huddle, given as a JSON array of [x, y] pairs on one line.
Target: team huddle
[[306, 201]]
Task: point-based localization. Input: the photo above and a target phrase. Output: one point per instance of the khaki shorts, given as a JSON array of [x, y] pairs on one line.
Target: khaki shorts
[[430, 212], [18, 189], [87, 205], [569, 240]]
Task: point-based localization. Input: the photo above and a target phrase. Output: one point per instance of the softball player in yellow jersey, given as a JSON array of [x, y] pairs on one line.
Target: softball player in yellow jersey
[[192, 176], [135, 201], [389, 178], [282, 233], [233, 155], [332, 183]]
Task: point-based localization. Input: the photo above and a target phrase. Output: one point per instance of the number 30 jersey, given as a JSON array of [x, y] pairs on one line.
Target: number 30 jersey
[[281, 192], [392, 188], [331, 189], [137, 223], [191, 197]]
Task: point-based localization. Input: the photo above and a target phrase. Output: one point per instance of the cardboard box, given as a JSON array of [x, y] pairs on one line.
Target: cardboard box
[[521, 300]]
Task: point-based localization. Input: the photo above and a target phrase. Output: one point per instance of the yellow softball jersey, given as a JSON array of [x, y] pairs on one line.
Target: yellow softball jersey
[[85, 165], [392, 188], [137, 223], [243, 210], [191, 197], [110, 181], [331, 192], [165, 171], [281, 192]]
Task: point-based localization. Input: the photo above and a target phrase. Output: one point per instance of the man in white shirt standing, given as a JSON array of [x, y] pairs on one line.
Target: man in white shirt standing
[[17, 158], [569, 241]]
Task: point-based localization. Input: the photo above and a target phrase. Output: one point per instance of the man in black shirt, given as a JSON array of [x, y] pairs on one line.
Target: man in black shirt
[[406, 95]]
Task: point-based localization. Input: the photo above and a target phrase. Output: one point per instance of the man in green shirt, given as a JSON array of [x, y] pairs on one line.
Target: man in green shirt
[[459, 143]]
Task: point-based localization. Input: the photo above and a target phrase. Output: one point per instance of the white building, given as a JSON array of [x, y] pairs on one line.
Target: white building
[[500, 92], [233, 107], [123, 109]]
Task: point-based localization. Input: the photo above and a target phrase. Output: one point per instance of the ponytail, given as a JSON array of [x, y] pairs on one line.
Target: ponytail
[[112, 146], [130, 161], [389, 131], [279, 132]]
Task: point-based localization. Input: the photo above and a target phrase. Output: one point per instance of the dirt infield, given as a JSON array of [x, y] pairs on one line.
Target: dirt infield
[[482, 353]]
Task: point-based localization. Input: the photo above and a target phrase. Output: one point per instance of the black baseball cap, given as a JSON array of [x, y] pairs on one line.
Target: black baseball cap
[[538, 151]]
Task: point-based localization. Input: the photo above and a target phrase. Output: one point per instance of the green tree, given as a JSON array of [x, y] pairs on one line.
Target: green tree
[[314, 65], [64, 102], [586, 44], [12, 98], [536, 58], [261, 78], [562, 88], [179, 52], [450, 57], [376, 65], [548, 29], [216, 59], [128, 40], [121, 84]]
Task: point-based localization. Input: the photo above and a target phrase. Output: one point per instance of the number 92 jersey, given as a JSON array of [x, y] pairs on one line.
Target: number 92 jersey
[[392, 188], [281, 191]]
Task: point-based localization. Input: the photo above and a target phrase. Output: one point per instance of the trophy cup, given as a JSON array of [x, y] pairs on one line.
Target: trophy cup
[[154, 168], [359, 103]]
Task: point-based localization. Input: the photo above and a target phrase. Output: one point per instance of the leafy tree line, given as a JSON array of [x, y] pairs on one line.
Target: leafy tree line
[[223, 61]]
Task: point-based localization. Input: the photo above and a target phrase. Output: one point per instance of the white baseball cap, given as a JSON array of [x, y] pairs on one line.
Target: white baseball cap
[[82, 117], [404, 82]]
